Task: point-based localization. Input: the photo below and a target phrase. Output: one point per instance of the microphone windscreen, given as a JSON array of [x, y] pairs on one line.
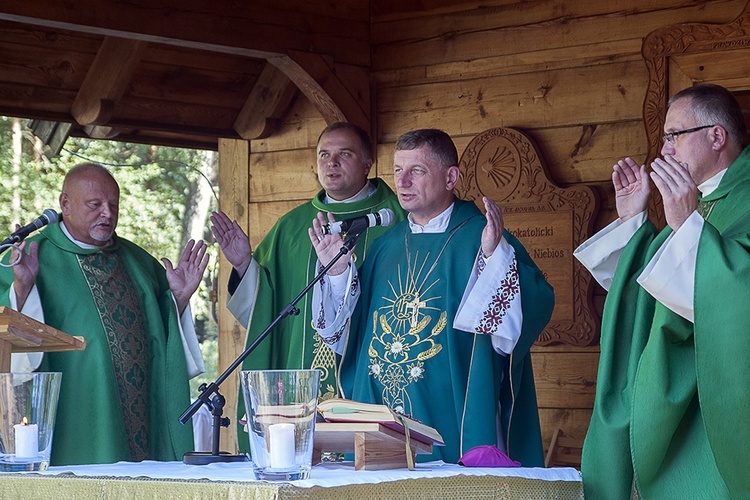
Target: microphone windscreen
[[386, 216], [52, 216]]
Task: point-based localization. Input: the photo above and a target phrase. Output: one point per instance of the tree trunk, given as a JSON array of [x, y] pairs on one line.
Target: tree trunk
[[15, 168]]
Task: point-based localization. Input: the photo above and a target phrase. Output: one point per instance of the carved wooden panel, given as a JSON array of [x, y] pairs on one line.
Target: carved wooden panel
[[504, 165], [671, 42]]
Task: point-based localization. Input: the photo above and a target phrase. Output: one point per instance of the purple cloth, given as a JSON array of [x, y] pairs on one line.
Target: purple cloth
[[487, 456]]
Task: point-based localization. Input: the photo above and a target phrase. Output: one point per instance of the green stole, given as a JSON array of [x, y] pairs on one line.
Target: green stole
[[287, 264], [671, 403], [121, 315], [120, 398], [403, 351]]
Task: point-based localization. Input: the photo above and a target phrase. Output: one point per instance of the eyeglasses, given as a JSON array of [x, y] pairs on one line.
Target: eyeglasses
[[671, 137]]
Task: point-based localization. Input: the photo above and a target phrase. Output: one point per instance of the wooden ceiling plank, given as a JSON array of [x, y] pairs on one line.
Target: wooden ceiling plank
[[106, 80], [271, 95], [261, 29]]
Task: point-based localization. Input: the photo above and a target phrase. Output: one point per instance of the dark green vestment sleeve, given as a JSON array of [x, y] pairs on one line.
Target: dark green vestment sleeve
[[287, 264], [89, 427], [403, 351]]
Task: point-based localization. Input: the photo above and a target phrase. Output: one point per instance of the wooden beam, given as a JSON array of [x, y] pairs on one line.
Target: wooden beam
[[310, 88], [261, 28], [107, 79], [277, 31], [234, 158], [316, 77], [101, 132], [266, 103]]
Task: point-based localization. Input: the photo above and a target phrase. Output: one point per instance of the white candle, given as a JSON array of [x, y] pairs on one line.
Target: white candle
[[281, 442], [27, 440]]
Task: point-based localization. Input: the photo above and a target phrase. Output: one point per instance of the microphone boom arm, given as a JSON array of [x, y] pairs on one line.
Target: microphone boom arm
[[208, 391]]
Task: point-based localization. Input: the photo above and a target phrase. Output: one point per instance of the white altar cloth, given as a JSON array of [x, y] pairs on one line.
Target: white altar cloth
[[323, 475]]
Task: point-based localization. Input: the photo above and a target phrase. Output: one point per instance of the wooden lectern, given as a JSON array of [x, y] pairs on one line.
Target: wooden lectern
[[375, 446], [19, 333]]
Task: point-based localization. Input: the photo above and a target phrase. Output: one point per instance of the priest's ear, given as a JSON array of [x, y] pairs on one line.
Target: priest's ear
[[718, 137], [451, 177], [65, 204]]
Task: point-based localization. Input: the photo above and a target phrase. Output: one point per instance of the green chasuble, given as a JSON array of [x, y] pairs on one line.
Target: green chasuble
[[672, 407], [121, 397], [403, 351], [287, 264]]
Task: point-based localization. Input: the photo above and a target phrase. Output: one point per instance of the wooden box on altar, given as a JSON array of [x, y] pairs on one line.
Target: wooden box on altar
[[375, 446]]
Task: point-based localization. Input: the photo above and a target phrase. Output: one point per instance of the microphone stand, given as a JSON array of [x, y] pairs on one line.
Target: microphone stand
[[210, 395]]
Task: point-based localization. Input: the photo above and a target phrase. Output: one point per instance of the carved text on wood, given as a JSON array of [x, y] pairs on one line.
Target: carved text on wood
[[504, 165]]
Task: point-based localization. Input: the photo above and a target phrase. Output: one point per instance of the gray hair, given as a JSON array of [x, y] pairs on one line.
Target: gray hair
[[715, 105]]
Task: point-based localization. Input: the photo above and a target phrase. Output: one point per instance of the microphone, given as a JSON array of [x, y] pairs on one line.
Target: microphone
[[383, 217], [49, 216]]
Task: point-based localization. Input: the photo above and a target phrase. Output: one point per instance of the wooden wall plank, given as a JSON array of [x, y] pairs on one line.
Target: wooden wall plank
[[528, 101], [706, 67], [284, 175], [549, 59], [574, 422], [517, 28], [565, 380]]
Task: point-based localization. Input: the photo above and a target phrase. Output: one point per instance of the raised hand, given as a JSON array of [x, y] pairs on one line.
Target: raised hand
[[327, 246], [232, 240], [678, 190], [185, 278], [25, 271], [632, 188], [493, 231]]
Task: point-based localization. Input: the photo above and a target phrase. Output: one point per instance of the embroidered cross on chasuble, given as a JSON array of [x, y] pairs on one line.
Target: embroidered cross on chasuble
[[121, 314], [705, 208]]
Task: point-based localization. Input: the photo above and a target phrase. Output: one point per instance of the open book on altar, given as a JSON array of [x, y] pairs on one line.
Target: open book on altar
[[346, 410]]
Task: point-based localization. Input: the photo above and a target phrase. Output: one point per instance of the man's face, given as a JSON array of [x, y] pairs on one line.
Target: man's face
[[693, 148], [342, 169], [423, 188], [90, 205]]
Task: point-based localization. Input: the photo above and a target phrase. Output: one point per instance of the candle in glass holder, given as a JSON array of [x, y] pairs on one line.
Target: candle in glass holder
[[281, 442], [27, 439]]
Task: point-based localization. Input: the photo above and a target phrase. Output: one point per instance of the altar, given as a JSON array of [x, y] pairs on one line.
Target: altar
[[235, 481]]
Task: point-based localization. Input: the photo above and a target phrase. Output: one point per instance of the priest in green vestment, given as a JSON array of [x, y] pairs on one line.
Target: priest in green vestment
[[121, 397], [265, 281], [439, 322], [672, 403]]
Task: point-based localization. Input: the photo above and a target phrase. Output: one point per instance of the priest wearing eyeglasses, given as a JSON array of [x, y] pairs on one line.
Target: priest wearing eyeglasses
[[672, 402]]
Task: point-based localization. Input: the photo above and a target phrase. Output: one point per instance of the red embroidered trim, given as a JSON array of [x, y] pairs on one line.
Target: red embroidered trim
[[493, 316]]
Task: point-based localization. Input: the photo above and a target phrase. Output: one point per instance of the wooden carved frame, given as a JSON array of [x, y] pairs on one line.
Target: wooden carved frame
[[505, 165], [699, 46]]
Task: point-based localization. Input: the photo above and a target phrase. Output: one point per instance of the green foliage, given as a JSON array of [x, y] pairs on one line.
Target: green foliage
[[158, 197]]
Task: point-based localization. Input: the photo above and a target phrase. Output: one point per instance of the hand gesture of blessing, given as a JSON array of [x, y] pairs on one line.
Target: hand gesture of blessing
[[185, 278]]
